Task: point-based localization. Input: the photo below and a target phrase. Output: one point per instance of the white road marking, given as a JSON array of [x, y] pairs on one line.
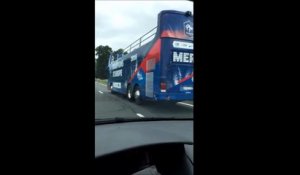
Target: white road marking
[[186, 104], [140, 115], [100, 92]]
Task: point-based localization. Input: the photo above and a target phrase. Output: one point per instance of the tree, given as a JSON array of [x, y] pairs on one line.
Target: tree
[[118, 52], [103, 53]]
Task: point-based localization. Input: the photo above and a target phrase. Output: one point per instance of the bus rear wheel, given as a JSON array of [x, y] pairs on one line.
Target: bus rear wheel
[[137, 95], [129, 94]]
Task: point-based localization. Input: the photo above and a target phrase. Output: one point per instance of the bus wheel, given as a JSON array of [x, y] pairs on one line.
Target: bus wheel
[[129, 94], [111, 91], [137, 95]]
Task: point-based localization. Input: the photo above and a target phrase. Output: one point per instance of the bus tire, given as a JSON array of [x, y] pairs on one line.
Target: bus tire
[[129, 93], [111, 91], [137, 95]]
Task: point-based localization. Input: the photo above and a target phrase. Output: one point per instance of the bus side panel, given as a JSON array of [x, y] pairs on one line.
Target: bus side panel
[[117, 82], [147, 60], [144, 77], [151, 66], [126, 75], [157, 77], [129, 68], [138, 67]]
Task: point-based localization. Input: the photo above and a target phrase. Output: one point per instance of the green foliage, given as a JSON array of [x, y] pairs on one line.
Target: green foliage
[[118, 52], [103, 53]]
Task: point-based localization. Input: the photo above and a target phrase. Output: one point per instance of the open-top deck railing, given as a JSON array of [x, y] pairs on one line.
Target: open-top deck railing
[[139, 41]]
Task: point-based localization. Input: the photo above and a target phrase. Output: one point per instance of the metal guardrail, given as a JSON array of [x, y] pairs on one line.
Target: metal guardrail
[[138, 42]]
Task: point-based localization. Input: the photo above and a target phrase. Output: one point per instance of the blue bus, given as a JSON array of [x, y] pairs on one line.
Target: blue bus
[[161, 69]]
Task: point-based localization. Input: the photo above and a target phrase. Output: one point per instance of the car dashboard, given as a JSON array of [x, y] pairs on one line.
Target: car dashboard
[[145, 147]]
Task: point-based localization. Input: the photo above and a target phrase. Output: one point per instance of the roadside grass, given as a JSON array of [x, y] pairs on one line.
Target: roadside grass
[[102, 81]]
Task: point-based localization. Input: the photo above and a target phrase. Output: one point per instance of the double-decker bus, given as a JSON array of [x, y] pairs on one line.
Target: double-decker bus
[[158, 70]]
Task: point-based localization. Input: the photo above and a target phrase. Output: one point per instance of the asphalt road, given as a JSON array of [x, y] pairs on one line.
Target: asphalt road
[[109, 105]]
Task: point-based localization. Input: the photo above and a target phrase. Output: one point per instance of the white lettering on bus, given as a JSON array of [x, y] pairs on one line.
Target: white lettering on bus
[[177, 58], [186, 57], [117, 73], [183, 57], [191, 57], [116, 64], [117, 85], [183, 45]]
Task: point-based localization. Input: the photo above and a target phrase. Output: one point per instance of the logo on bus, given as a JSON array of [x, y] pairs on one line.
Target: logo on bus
[[189, 28]]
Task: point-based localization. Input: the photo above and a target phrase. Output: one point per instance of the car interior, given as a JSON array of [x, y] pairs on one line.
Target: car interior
[[151, 147]]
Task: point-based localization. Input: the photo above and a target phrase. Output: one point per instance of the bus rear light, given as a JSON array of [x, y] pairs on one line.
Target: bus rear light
[[163, 87]]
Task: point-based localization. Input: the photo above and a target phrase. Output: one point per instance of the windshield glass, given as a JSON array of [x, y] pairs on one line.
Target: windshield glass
[[144, 59]]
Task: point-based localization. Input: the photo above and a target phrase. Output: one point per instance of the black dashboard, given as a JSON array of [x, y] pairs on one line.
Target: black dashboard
[[145, 147]]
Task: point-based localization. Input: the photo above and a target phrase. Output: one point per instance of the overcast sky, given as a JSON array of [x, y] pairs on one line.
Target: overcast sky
[[119, 23]]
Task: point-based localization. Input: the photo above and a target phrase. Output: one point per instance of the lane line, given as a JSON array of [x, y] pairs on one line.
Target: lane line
[[100, 92], [186, 104], [140, 115]]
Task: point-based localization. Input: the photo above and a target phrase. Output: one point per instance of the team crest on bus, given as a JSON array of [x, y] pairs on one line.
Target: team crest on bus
[[189, 28]]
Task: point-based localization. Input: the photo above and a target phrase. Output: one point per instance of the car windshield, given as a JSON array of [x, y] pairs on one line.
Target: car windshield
[[144, 60]]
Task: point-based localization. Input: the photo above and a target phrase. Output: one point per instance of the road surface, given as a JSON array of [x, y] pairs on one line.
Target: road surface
[[109, 105]]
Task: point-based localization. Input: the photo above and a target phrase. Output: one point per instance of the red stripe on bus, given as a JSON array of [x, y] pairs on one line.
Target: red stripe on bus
[[186, 78], [153, 53], [173, 34]]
